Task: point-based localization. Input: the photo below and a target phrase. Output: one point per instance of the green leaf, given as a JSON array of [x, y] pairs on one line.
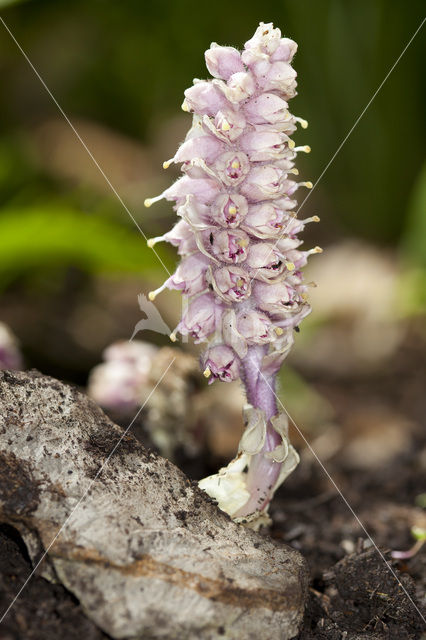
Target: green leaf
[[36, 236], [418, 533], [8, 3], [413, 243]]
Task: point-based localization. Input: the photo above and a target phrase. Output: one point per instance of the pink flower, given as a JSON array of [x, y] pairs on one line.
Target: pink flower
[[190, 276], [119, 382], [240, 86], [262, 45], [264, 182], [223, 62], [229, 209], [232, 167], [232, 284], [285, 50], [222, 363], [262, 144], [238, 240], [202, 317], [265, 261], [279, 76], [267, 108], [205, 98], [255, 327], [230, 246], [206, 147], [227, 125], [265, 220]]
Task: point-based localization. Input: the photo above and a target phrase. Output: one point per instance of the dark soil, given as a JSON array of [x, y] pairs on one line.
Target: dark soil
[[44, 611], [353, 593]]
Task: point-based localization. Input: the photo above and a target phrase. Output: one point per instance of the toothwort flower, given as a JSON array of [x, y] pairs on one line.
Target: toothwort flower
[[237, 236]]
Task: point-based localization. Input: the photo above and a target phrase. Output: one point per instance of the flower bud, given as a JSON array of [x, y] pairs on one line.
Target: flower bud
[[268, 108], [285, 51], [205, 98], [223, 62], [265, 220], [255, 327], [206, 147], [263, 145], [263, 183], [240, 86]]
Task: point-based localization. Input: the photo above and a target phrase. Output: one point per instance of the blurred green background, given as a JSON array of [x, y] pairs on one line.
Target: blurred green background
[[71, 259]]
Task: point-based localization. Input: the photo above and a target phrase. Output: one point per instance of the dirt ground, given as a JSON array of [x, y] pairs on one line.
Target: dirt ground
[[353, 594]]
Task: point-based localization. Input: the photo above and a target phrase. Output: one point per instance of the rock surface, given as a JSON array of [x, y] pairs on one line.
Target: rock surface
[[147, 554]]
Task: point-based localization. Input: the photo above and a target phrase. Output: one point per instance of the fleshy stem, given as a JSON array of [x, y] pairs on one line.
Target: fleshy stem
[[263, 472]]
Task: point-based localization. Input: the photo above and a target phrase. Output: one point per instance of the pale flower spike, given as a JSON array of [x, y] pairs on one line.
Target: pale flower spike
[[237, 237]]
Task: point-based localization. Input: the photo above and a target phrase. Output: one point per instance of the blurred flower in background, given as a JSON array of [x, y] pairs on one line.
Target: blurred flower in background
[[10, 356]]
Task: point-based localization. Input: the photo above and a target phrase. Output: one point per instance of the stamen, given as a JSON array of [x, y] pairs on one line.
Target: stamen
[[232, 211], [207, 373], [167, 163], [185, 106], [290, 266], [305, 148], [225, 126], [243, 242], [149, 201], [153, 294], [308, 184], [291, 144], [294, 171], [172, 337], [279, 331], [235, 164], [314, 250], [303, 123], [311, 219], [152, 241]]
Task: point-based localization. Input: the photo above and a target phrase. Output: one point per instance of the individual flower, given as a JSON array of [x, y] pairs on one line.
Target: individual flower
[[232, 284], [202, 317], [221, 363], [230, 246]]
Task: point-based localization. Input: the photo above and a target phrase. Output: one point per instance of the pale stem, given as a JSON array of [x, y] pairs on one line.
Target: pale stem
[[263, 472]]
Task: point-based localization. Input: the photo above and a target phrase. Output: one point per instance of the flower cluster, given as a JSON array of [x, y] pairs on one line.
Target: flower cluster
[[237, 236]]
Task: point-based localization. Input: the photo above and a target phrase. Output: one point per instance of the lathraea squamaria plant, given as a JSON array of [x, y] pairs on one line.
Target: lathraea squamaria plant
[[237, 236]]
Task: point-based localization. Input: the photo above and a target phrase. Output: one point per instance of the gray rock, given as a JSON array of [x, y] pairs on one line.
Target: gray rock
[[147, 553]]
